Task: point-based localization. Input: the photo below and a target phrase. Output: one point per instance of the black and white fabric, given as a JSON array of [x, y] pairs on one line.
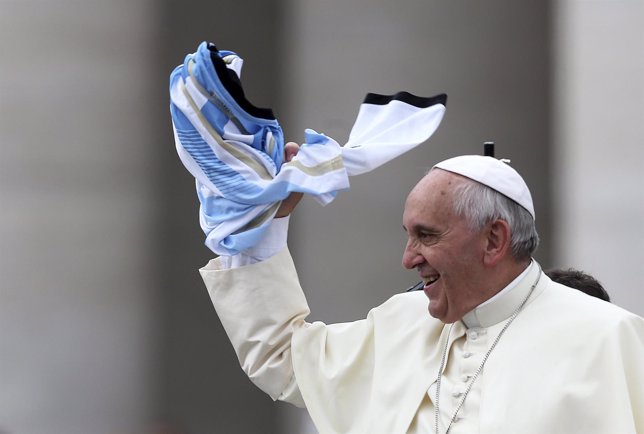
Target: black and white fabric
[[235, 150]]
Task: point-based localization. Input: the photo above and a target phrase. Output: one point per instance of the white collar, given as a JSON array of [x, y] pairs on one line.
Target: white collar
[[504, 303]]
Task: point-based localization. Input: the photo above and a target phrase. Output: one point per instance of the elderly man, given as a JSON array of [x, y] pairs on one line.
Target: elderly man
[[503, 349]]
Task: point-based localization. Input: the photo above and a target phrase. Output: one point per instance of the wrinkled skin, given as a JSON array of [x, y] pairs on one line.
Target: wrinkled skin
[[460, 266]]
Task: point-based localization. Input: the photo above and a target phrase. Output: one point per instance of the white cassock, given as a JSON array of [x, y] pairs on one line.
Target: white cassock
[[569, 363]]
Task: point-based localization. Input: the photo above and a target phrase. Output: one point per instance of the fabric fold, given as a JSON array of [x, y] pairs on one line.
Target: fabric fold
[[235, 150]]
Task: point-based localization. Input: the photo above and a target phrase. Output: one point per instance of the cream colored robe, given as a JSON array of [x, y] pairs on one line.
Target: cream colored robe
[[569, 363]]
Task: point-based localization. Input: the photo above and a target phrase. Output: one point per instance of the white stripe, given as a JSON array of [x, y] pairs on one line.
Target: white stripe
[[233, 162], [382, 133], [199, 98]]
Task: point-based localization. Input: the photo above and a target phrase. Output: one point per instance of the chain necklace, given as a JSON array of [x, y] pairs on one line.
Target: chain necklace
[[480, 368]]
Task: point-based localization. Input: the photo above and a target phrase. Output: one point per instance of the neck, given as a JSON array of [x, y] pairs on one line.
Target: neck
[[490, 282], [500, 306]]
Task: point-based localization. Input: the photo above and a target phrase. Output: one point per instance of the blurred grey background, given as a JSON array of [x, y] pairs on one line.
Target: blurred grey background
[[105, 326]]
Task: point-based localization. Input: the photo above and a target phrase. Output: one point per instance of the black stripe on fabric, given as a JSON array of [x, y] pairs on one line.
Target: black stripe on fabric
[[417, 287], [406, 97], [232, 84]]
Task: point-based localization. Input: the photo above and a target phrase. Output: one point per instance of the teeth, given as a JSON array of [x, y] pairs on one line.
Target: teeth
[[430, 280]]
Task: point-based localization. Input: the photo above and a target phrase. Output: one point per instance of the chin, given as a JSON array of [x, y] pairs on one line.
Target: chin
[[433, 313], [444, 318]]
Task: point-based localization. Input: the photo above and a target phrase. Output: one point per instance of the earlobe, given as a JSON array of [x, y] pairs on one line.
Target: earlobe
[[497, 242]]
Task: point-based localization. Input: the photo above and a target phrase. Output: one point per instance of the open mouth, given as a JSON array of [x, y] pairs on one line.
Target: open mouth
[[430, 280]]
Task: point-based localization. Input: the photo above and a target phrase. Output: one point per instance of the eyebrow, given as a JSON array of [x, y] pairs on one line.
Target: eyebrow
[[421, 228]]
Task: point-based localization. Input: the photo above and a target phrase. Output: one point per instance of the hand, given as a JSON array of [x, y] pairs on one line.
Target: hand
[[288, 205]]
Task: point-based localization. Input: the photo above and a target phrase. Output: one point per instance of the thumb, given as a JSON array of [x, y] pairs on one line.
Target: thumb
[[290, 150]]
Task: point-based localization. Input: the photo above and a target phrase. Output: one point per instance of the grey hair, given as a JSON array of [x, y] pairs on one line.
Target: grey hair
[[479, 205]]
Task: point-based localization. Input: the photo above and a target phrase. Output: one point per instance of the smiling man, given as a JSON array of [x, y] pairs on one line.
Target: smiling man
[[503, 348], [460, 233]]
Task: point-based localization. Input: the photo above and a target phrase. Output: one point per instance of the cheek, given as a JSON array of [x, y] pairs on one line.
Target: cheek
[[466, 257], [456, 275]]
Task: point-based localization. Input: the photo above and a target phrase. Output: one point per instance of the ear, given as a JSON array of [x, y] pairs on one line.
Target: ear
[[497, 242]]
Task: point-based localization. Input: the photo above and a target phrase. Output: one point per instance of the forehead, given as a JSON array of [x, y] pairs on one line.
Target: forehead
[[432, 198]]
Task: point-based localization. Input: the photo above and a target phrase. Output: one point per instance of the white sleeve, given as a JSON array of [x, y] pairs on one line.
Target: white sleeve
[[259, 306], [272, 243]]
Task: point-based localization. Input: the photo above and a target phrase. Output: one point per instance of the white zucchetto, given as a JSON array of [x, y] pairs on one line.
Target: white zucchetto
[[493, 173]]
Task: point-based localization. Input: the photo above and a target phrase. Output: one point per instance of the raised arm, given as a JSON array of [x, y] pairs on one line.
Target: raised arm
[[260, 306], [259, 301]]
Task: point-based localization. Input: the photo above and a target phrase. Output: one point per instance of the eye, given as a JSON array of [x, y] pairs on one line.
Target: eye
[[423, 235], [427, 237]]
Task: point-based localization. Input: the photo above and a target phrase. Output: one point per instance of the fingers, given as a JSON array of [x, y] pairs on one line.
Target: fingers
[[290, 150]]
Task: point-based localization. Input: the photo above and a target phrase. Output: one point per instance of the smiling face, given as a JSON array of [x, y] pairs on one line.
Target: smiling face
[[447, 253]]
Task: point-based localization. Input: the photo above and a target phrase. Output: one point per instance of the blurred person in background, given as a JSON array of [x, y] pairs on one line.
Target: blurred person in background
[[579, 280]]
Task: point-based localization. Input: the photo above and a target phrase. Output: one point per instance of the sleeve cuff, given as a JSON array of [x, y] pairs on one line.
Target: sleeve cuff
[[273, 242]]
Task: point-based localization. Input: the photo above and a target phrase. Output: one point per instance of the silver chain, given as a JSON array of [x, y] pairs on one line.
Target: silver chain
[[480, 368]]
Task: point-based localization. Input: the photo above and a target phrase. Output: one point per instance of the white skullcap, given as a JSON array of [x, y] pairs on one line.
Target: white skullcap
[[495, 174]]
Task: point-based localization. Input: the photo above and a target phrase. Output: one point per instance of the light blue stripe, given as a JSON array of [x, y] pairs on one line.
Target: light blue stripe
[[215, 117], [236, 243], [229, 182], [205, 74], [217, 210], [239, 196]]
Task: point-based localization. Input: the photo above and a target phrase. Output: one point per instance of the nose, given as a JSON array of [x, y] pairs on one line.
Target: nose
[[411, 258]]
